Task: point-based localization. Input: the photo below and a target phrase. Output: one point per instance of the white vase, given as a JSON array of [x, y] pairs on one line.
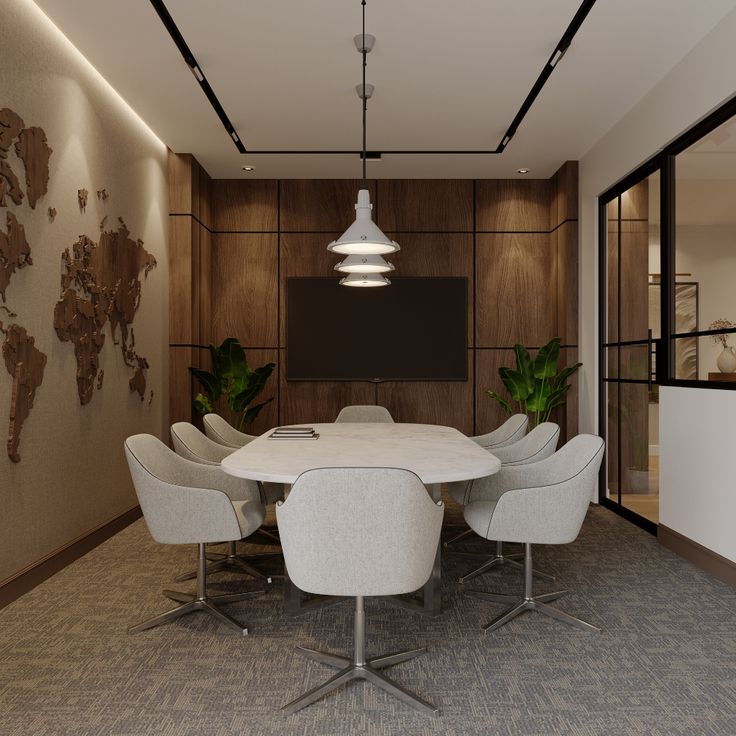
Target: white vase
[[726, 361]]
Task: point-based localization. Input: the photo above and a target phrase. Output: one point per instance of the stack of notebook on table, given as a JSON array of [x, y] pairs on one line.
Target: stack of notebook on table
[[294, 433]]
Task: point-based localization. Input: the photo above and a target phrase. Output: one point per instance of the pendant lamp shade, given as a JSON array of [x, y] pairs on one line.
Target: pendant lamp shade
[[363, 237], [364, 264], [365, 280]]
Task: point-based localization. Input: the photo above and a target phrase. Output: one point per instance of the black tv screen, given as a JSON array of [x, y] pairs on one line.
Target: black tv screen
[[414, 329]]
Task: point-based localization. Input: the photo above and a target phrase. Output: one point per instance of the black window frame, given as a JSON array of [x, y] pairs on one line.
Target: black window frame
[[664, 162]]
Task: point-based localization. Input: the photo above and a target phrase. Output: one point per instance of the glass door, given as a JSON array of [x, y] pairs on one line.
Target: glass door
[[630, 332]]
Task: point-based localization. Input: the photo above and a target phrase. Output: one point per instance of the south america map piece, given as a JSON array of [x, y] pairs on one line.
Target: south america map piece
[[15, 252], [34, 151], [25, 363], [101, 284]]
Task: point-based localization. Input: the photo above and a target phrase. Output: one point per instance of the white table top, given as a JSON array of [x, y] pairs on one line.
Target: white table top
[[436, 454]]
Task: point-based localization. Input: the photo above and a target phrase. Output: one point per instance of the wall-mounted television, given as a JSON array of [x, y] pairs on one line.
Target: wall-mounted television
[[413, 330]]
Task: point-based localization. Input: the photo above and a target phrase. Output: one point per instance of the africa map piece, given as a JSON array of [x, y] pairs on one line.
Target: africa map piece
[[26, 364], [100, 284], [33, 150], [15, 252]]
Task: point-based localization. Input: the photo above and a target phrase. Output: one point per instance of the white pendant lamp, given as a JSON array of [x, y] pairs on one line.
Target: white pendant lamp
[[363, 242], [365, 280], [364, 264], [363, 237]]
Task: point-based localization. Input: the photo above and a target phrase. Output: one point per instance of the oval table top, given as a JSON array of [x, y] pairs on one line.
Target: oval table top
[[436, 454]]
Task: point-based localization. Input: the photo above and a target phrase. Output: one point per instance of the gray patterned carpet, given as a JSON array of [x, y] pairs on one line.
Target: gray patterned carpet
[[665, 663]]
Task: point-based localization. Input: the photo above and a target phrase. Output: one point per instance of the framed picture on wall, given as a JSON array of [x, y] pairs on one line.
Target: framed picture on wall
[[686, 320]]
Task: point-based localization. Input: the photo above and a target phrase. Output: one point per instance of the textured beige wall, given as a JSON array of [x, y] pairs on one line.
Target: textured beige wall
[[72, 475]]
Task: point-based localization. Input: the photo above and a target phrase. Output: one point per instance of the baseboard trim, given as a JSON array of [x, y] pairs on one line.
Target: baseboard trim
[[34, 574], [718, 566]]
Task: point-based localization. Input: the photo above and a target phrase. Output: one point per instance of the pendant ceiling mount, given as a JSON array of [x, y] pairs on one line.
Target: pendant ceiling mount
[[363, 242]]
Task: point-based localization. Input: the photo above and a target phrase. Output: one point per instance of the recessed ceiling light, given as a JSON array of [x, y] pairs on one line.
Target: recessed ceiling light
[[249, 168], [522, 171]]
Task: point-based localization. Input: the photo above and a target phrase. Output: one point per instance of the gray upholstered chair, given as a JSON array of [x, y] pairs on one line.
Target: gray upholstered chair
[[221, 431], [512, 430], [187, 503], [367, 413], [543, 503], [382, 530], [191, 444], [539, 444]]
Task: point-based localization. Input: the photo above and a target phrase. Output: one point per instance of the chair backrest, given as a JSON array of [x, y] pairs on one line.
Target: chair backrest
[[180, 499], [367, 413], [546, 502], [539, 444], [512, 430], [221, 431], [190, 443], [359, 531]]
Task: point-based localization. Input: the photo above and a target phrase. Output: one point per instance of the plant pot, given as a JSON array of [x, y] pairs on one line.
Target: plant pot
[[726, 361], [637, 481]]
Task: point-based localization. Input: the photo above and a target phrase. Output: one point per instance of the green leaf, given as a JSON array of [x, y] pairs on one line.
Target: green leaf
[[500, 399], [545, 364], [537, 400], [211, 384], [564, 374], [202, 404], [228, 361], [516, 384], [253, 411], [524, 363]]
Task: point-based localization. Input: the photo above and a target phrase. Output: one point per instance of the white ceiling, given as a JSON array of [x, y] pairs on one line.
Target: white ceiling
[[448, 75]]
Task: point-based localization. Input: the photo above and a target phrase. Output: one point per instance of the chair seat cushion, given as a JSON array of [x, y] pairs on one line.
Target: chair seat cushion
[[250, 516], [478, 516]]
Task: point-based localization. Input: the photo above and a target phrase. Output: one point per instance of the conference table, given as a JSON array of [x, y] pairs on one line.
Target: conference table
[[436, 454]]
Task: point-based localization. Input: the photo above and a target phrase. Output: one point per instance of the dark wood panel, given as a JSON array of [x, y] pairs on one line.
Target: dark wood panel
[[488, 414], [516, 285], [634, 274], [244, 206], [319, 401], [425, 204], [635, 202], [321, 204], [203, 195], [201, 295], [564, 194], [180, 182], [449, 403], [180, 279], [244, 292], [180, 386], [512, 205], [437, 254], [567, 415], [564, 240], [301, 255]]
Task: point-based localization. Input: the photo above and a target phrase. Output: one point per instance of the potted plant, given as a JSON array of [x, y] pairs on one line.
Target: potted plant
[[726, 361], [233, 379], [536, 386]]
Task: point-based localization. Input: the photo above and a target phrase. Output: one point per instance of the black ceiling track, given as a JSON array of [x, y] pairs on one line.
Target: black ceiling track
[[559, 51]]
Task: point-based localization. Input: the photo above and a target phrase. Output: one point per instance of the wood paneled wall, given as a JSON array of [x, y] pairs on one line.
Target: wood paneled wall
[[515, 241]]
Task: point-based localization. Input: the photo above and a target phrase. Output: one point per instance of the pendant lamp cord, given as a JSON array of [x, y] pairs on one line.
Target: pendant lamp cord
[[365, 97]]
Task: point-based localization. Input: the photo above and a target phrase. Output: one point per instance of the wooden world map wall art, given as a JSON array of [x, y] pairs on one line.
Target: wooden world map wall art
[[23, 360], [100, 283]]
